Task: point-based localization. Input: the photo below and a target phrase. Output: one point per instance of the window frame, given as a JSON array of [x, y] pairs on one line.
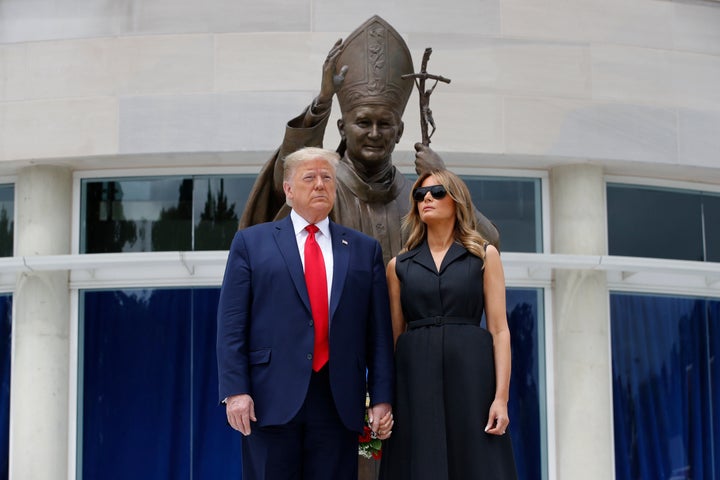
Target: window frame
[[660, 275], [201, 269], [541, 175], [679, 187], [639, 292], [134, 174], [544, 194], [10, 180]]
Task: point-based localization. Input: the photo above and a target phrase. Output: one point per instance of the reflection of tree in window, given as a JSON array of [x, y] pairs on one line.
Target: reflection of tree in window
[[6, 233], [107, 230], [172, 231], [218, 221]]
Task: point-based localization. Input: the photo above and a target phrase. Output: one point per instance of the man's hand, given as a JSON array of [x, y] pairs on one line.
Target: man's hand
[[240, 411], [381, 420], [426, 160]]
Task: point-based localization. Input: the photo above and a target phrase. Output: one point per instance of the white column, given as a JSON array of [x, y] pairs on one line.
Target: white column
[[583, 394], [41, 317]]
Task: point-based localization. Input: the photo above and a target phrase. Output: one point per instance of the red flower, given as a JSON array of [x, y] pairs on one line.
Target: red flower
[[369, 446], [366, 435]]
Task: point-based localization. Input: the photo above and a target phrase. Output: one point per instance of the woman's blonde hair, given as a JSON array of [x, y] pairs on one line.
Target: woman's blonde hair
[[465, 220]]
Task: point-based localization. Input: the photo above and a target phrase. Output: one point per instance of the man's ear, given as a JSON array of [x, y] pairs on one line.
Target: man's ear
[[400, 131], [288, 192], [341, 128]]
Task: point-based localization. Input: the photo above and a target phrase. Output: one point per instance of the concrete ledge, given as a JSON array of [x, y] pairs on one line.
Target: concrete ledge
[[120, 270]]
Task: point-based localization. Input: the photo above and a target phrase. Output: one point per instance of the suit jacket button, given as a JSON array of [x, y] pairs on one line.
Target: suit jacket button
[[310, 323], [309, 356]]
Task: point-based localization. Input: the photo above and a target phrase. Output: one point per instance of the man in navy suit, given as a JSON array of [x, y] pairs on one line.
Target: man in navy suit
[[300, 410]]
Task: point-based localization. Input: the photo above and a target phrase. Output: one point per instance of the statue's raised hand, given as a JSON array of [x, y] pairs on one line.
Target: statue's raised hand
[[426, 160], [332, 79]]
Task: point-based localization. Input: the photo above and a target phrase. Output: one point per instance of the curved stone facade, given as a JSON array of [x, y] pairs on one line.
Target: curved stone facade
[[533, 85], [575, 90]]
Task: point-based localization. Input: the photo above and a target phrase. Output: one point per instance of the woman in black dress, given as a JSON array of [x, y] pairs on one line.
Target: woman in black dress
[[453, 376]]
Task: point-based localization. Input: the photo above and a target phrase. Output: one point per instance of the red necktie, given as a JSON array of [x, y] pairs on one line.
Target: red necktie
[[316, 280]]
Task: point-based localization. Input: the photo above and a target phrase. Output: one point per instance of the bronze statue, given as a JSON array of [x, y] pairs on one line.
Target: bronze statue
[[426, 117], [372, 196]]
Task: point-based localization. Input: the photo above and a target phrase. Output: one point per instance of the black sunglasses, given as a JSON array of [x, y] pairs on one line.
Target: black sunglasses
[[437, 192]]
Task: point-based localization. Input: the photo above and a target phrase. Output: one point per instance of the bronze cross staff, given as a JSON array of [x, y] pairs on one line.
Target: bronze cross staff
[[425, 112]]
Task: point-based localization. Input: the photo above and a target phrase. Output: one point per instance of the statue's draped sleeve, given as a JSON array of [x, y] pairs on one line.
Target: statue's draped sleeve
[[267, 198]]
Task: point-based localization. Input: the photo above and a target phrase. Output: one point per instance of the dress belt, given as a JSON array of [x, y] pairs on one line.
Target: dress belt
[[439, 320]]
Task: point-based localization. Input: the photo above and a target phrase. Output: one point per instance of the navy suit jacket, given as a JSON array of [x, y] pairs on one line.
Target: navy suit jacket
[[265, 334]]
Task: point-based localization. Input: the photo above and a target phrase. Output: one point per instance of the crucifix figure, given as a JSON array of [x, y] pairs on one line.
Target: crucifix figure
[[426, 117]]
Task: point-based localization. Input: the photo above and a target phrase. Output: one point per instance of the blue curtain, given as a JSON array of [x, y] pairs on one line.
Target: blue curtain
[[664, 384], [150, 388], [524, 307], [5, 340], [216, 445]]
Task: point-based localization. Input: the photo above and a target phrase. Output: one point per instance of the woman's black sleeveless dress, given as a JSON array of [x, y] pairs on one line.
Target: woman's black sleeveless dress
[[445, 375]]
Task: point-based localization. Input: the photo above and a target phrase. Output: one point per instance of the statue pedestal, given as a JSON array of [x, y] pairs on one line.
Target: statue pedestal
[[368, 468]]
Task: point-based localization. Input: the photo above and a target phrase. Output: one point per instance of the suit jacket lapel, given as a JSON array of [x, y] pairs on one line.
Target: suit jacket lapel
[[341, 259], [287, 244]]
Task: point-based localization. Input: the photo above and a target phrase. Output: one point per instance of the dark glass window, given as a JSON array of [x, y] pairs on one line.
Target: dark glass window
[[663, 223], [149, 386], [711, 224], [202, 212], [219, 203], [5, 342], [514, 205], [162, 214], [666, 386], [7, 215]]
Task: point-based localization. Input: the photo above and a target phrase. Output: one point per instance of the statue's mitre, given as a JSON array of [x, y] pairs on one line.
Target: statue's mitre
[[377, 57]]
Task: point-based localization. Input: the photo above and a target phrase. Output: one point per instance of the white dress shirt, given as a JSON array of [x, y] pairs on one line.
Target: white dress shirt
[[323, 239]]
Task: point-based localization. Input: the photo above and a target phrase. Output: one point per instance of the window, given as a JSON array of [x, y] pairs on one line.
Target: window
[[527, 385], [147, 356], [514, 205], [149, 387], [7, 214], [711, 225], [202, 212], [5, 342], [162, 213], [663, 223], [148, 384], [666, 386]]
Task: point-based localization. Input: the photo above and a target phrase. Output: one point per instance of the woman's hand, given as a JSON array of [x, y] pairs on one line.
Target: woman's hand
[[498, 419], [381, 420]]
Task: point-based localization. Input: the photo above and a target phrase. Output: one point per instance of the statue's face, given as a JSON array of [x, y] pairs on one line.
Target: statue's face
[[371, 133]]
